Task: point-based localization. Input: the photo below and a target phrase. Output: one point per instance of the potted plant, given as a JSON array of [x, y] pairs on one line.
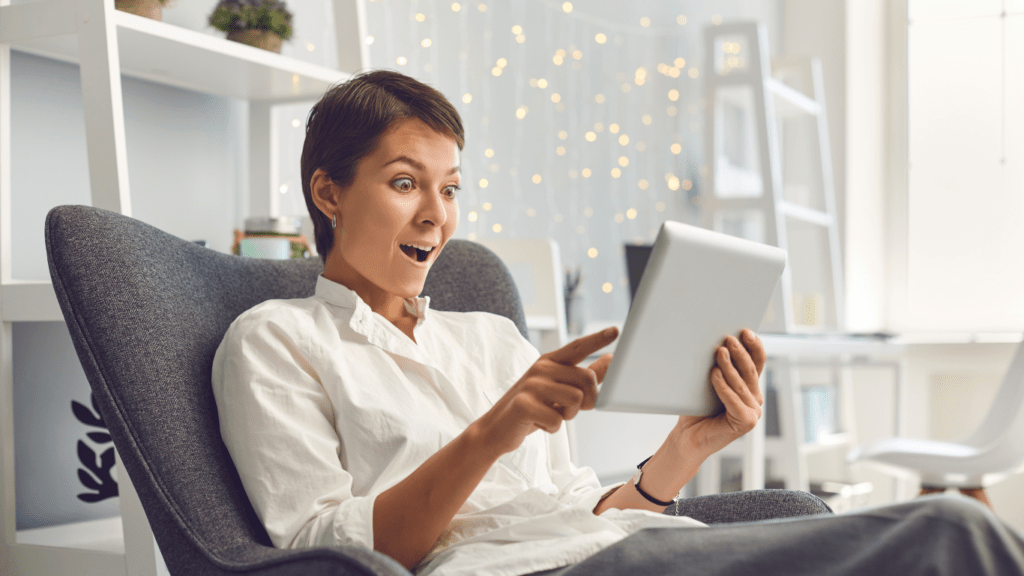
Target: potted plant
[[260, 23], [146, 8]]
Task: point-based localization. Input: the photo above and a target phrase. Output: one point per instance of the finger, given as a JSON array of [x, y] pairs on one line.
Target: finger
[[545, 417], [577, 351], [600, 367], [568, 398], [740, 416], [733, 378], [745, 366], [756, 349], [583, 379]]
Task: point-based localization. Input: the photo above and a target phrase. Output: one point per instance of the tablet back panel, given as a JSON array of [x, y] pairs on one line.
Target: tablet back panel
[[698, 287]]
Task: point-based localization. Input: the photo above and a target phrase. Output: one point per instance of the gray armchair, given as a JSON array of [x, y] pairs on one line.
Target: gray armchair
[[146, 311]]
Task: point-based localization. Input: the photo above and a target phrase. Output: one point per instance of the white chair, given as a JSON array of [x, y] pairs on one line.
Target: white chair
[[989, 455], [536, 267]]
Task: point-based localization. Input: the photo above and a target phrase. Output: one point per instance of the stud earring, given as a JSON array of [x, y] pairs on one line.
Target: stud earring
[[334, 221]]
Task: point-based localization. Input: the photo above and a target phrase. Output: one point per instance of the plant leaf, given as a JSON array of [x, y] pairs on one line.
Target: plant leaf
[[84, 415], [107, 459], [87, 457], [88, 480], [99, 437]]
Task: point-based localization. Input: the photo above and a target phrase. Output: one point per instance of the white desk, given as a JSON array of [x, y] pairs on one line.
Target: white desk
[[612, 436]]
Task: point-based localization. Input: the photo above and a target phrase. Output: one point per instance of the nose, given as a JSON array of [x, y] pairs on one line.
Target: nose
[[433, 209]]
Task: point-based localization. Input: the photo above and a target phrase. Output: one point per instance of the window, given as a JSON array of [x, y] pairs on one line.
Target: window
[[965, 166]]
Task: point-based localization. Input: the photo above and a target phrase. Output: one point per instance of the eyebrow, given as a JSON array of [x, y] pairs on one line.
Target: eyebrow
[[417, 164]]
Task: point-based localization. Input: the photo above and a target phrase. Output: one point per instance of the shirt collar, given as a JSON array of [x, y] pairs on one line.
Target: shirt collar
[[340, 295]]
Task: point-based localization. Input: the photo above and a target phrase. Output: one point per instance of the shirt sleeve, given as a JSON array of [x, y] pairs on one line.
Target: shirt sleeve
[[278, 424]]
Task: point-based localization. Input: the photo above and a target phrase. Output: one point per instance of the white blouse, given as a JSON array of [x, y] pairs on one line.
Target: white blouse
[[324, 404]]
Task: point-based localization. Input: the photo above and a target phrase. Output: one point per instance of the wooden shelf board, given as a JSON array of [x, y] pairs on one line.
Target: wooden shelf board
[[29, 301], [182, 58]]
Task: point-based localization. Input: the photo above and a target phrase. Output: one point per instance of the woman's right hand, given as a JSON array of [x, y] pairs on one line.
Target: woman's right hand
[[552, 390]]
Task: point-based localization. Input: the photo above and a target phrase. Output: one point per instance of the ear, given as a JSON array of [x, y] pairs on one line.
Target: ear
[[325, 193]]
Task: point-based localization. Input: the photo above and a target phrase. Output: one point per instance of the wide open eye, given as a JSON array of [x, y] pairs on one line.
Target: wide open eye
[[403, 184], [452, 191]]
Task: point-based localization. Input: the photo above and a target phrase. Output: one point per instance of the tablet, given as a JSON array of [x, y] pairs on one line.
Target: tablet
[[698, 287]]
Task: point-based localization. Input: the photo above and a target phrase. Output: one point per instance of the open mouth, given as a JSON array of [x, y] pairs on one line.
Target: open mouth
[[415, 253]]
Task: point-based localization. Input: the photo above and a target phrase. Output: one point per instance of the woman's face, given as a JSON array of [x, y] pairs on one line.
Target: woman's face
[[404, 193]]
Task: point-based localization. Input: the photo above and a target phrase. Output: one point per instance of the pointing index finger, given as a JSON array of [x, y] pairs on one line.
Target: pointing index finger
[[579, 349]]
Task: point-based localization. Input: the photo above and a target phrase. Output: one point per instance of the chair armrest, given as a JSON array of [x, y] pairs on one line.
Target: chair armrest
[[333, 561], [749, 506]]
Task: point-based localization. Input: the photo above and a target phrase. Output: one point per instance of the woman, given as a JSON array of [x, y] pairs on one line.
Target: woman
[[360, 416]]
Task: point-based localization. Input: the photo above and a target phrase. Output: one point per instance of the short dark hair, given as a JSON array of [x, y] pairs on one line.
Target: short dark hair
[[347, 124]]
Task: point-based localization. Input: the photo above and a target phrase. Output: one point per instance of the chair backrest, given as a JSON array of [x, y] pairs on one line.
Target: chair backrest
[[536, 266], [1001, 430], [146, 312]]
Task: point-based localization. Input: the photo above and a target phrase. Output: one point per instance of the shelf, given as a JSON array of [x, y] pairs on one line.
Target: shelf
[[29, 301], [182, 58], [104, 535]]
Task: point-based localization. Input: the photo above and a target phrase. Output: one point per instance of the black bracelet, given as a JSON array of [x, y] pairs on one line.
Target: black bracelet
[[650, 498]]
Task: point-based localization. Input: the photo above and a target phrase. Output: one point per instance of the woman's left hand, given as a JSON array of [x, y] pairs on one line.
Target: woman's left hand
[[736, 379]]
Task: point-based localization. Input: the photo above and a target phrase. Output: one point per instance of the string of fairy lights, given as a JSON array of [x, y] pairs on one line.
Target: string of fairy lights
[[582, 128]]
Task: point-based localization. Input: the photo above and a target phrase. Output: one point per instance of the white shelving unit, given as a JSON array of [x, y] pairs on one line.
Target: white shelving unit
[[107, 44]]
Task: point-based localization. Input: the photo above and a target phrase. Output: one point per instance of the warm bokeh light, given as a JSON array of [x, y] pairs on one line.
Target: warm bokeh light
[[421, 17], [586, 172], [623, 140], [536, 178], [567, 7], [496, 227], [631, 213], [471, 216], [606, 287], [489, 153], [676, 148], [600, 38], [590, 136], [467, 98], [616, 172], [483, 183], [562, 134], [487, 205], [592, 252]]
